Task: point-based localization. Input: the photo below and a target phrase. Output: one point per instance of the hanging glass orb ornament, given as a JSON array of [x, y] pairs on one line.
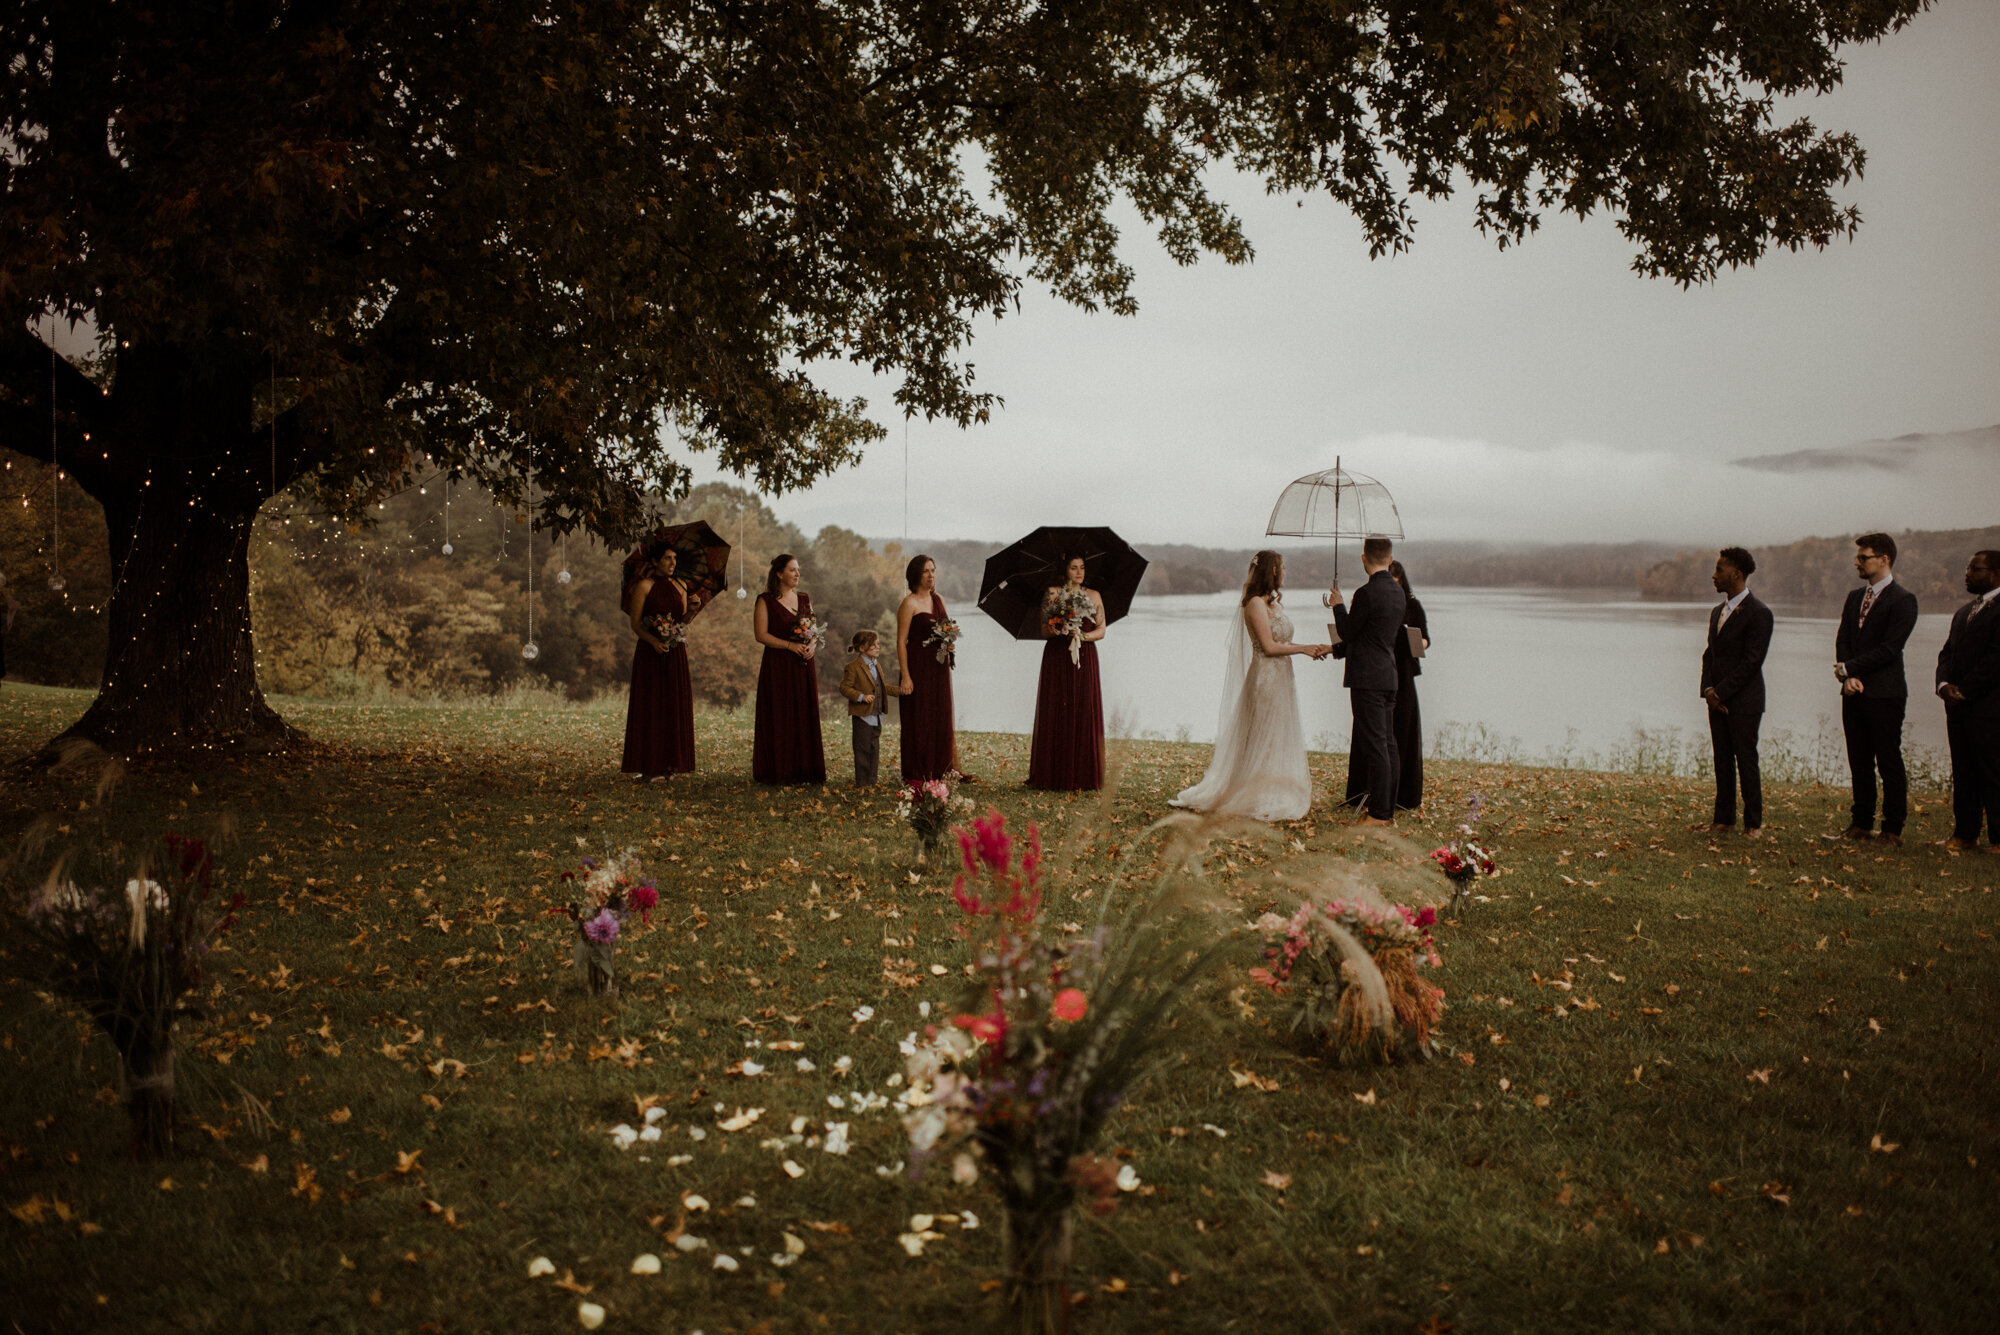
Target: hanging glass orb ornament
[[57, 583], [447, 549], [742, 593], [562, 577], [531, 651]]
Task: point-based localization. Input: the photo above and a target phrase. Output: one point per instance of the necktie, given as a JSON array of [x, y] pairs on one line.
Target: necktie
[[1723, 620], [1867, 601]]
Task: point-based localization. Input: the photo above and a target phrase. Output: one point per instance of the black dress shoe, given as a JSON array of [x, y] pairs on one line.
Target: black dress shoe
[[1890, 838], [1861, 834]]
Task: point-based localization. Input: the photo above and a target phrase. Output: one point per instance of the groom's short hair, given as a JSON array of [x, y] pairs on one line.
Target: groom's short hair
[[1375, 549]]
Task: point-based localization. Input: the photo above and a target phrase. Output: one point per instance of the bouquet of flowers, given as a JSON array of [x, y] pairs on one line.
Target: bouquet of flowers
[[132, 957], [1053, 1035], [809, 631], [1064, 614], [1350, 970], [609, 891], [1465, 859], [944, 639], [929, 808], [669, 631]]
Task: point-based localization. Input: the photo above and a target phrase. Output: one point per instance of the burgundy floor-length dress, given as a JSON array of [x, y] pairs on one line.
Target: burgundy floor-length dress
[[659, 715], [928, 733], [1068, 750], [787, 746]]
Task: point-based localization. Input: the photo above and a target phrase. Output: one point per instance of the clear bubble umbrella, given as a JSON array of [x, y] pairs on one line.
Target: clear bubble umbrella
[[1335, 504]]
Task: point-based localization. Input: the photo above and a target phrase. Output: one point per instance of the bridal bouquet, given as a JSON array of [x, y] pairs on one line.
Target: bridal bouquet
[[928, 808], [669, 631], [608, 892], [132, 958], [1052, 1036], [1349, 968], [1066, 613], [944, 638]]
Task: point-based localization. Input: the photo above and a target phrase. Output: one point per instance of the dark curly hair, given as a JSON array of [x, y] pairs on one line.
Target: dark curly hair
[[1741, 559]]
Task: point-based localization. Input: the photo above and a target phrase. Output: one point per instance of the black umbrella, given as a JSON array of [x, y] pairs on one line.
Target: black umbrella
[[1017, 577], [701, 561]]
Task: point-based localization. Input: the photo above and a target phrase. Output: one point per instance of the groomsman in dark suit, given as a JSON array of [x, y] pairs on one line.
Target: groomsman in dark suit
[[1875, 624], [1732, 683], [1968, 681], [1368, 636]]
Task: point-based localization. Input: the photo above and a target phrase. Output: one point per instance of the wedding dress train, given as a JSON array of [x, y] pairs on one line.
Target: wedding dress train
[[1259, 766]]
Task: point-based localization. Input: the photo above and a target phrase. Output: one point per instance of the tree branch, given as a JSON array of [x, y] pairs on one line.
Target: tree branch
[[25, 361]]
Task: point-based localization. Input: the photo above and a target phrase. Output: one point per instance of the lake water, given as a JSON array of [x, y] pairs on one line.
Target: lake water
[[1545, 672]]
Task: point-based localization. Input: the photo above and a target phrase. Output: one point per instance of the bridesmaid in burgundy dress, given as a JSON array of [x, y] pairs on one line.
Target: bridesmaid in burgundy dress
[[787, 746], [1068, 749], [930, 740], [659, 715]]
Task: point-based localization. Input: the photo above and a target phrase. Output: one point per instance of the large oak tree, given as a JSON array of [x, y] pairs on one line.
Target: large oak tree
[[328, 242]]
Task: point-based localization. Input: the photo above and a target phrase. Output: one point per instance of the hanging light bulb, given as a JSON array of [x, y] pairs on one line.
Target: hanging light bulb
[[57, 583], [531, 651], [563, 576]]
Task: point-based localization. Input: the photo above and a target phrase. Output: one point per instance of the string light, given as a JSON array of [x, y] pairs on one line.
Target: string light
[[563, 576], [56, 582], [447, 514], [531, 651]]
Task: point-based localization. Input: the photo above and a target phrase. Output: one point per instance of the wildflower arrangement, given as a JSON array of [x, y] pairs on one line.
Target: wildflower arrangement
[[609, 892], [1053, 1036], [132, 957], [810, 631], [1349, 968], [944, 639], [1465, 859], [668, 630], [929, 808], [1064, 614]]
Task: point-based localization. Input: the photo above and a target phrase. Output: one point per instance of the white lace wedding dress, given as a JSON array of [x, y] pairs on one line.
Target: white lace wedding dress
[[1259, 766]]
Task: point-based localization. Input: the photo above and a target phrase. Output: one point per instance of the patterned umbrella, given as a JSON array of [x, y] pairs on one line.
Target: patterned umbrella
[[701, 561], [1017, 577]]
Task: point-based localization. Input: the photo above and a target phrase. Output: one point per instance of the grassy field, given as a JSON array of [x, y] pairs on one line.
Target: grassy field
[[1688, 1084]]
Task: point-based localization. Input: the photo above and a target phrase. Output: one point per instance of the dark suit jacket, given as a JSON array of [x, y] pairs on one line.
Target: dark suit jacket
[[1368, 633], [1970, 660], [1733, 662], [1874, 652]]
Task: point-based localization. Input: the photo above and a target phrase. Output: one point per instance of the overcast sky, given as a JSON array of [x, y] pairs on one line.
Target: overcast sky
[[1544, 393]]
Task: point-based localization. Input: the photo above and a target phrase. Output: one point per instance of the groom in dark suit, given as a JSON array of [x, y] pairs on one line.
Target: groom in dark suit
[[1968, 681], [1368, 637], [1732, 682], [1875, 624]]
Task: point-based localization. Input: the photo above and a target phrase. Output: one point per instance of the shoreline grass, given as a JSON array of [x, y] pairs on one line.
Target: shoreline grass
[[1699, 1039]]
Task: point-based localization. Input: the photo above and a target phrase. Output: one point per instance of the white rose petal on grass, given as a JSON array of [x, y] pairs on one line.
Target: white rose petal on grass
[[751, 1068], [688, 1242], [835, 1101], [924, 1007], [540, 1266], [724, 1261], [794, 1244], [921, 1223], [645, 1263], [697, 1133], [863, 1014], [650, 1133], [967, 1219], [590, 1314], [793, 1170], [1128, 1178], [836, 1138], [746, 1202], [964, 1170], [799, 1124], [781, 1259], [912, 1244], [805, 1064], [888, 1169], [676, 1160], [743, 1118], [623, 1136], [655, 1114], [693, 1203], [843, 1065]]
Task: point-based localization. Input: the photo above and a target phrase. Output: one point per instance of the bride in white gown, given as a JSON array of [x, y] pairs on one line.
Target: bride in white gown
[[1259, 766]]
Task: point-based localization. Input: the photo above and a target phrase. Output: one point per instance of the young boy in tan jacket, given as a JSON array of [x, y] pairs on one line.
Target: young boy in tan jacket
[[867, 695]]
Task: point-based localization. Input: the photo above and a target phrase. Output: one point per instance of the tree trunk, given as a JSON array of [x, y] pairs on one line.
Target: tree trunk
[[180, 674]]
